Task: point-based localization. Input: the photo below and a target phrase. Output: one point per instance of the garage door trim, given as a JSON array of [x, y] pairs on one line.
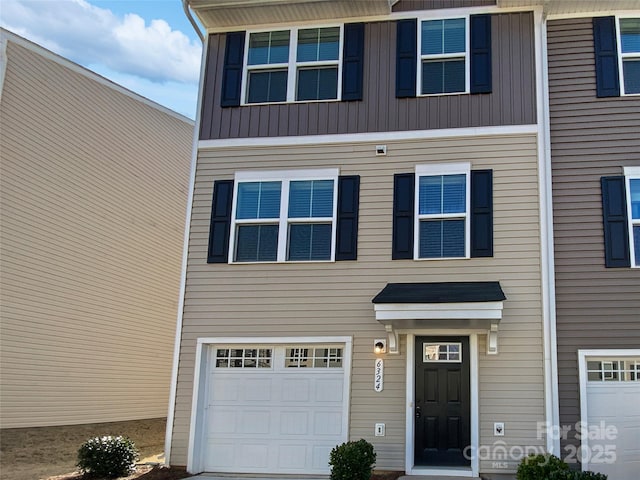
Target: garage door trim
[[195, 461], [583, 356]]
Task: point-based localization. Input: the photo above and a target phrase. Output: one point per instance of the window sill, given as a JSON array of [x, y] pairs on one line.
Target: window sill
[[442, 94], [330, 100], [274, 262]]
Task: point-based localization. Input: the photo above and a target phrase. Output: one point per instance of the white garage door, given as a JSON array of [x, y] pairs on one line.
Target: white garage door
[[613, 398], [274, 409]]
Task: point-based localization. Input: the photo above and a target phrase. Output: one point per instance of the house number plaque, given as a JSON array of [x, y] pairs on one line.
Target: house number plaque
[[378, 376]]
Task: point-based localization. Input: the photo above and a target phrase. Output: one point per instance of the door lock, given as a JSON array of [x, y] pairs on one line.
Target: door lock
[[418, 412]]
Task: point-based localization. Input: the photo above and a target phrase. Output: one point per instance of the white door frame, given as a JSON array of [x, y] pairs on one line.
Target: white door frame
[[410, 409], [583, 356], [201, 377]]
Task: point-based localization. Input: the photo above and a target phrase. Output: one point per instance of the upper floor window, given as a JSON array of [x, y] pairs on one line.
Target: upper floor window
[[443, 56], [629, 29], [284, 216], [300, 64], [633, 195], [442, 203]]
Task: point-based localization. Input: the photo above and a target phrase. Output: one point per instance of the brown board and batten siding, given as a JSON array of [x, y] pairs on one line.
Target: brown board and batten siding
[[512, 101], [316, 299], [410, 5], [591, 137], [93, 197]]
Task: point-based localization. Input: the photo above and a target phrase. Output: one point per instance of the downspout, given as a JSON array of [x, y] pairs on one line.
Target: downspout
[[194, 24], [546, 238]]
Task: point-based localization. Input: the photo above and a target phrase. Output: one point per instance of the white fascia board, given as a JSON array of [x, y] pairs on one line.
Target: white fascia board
[[271, 340], [290, 174], [427, 311], [373, 137]]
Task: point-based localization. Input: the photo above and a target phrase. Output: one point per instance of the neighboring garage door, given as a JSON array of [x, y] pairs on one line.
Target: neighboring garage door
[[274, 409], [613, 397]]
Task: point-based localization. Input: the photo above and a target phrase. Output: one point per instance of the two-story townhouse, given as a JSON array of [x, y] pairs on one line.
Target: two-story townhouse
[[594, 104], [368, 250]]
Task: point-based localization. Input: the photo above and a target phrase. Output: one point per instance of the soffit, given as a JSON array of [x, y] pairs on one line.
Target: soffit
[[568, 7], [216, 14]]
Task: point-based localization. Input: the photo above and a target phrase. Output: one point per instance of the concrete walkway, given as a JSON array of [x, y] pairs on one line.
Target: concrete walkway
[[205, 476]]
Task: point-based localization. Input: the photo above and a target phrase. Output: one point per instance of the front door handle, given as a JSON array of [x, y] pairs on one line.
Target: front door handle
[[418, 412]]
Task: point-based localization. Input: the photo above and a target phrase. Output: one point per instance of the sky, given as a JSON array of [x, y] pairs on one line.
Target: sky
[[147, 46]]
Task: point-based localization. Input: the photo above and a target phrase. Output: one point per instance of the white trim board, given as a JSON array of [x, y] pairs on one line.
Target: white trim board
[[302, 140], [196, 431]]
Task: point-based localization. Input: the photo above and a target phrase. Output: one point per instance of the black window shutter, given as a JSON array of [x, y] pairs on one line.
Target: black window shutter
[[606, 52], [406, 57], [480, 31], [352, 61], [232, 72], [403, 216], [218, 251], [482, 213], [616, 232], [347, 223]]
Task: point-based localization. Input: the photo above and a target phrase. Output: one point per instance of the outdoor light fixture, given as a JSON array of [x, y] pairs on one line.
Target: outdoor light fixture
[[379, 346]]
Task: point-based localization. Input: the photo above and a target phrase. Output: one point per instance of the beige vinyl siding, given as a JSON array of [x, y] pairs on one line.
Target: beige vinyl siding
[[315, 299], [591, 137], [93, 199]]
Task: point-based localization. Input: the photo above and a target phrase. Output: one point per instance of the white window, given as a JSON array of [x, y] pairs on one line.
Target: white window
[[284, 216], [632, 176], [442, 219], [443, 60], [629, 58], [300, 64]]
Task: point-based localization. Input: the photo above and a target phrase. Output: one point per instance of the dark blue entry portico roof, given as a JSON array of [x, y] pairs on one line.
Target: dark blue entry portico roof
[[441, 292]]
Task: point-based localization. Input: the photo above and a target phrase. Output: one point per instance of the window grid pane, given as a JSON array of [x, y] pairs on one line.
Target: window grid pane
[[630, 35], [442, 238], [318, 44], [443, 36], [267, 86], [257, 243], [440, 194], [631, 72], [309, 241], [258, 200], [311, 199], [445, 76], [317, 83], [267, 48]]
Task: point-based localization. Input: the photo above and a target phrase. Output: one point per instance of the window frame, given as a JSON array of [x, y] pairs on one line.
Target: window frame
[[631, 173], [292, 66], [467, 56], [623, 56], [283, 222], [435, 170]]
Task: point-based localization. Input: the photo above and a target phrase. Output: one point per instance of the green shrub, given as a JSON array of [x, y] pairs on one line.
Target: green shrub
[[540, 467], [549, 467], [352, 461], [108, 456]]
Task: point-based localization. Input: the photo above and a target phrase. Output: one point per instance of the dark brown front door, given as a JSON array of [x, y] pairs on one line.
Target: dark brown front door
[[442, 406]]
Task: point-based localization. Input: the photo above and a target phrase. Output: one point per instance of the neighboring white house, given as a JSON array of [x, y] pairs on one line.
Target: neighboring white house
[[93, 197]]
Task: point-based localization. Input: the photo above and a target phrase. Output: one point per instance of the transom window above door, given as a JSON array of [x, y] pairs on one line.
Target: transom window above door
[[300, 64], [284, 216]]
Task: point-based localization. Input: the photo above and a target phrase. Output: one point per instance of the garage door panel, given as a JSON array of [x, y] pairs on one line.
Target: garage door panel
[[294, 423], [327, 423], [296, 390], [328, 390], [223, 421], [292, 457], [255, 422]]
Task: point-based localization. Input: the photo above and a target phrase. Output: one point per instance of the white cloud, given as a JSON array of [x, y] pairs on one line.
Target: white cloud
[[87, 34]]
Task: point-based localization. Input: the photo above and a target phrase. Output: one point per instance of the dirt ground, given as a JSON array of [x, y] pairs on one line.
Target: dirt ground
[[49, 453], [39, 453]]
